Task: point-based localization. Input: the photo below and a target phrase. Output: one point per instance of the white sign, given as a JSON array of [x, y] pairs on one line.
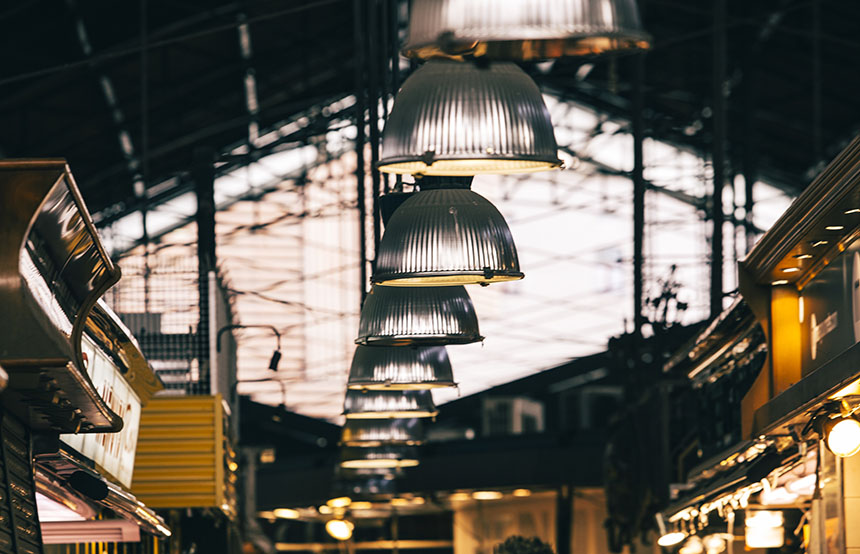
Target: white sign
[[113, 452]]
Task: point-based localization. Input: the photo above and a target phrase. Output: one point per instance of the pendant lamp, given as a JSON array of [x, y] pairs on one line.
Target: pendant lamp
[[400, 368], [383, 404], [446, 235], [425, 316], [378, 432], [453, 118], [385, 457], [523, 29]]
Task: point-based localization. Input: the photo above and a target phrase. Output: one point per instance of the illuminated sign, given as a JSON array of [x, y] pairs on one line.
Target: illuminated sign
[[112, 452]]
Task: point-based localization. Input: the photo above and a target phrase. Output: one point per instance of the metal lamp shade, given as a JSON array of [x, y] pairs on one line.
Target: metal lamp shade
[[381, 404], [409, 316], [386, 457], [523, 29], [369, 433], [452, 118], [444, 237], [400, 368]]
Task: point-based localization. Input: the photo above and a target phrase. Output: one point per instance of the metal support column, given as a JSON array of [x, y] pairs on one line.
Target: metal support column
[[718, 155], [359, 117], [638, 191], [564, 519], [203, 175]]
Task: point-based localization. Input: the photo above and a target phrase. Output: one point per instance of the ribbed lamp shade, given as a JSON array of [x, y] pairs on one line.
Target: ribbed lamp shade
[[378, 432], [523, 29], [452, 118], [382, 404], [386, 457], [443, 237], [400, 368], [410, 316]]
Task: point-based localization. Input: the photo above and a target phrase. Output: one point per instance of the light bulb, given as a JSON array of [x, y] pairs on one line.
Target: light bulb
[[340, 529], [844, 437], [672, 538]]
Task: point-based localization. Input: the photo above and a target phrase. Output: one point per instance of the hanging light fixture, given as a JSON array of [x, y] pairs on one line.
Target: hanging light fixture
[[400, 368], [340, 529], [369, 433], [410, 316], [452, 118], [446, 234], [523, 29], [384, 457], [383, 404], [842, 435]]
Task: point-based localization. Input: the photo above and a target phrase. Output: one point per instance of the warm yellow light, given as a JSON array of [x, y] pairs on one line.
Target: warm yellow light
[[671, 539], [340, 529], [487, 495], [418, 500], [285, 513], [834, 227], [467, 168], [339, 502], [843, 439], [819, 243], [232, 466], [266, 515], [399, 501], [848, 390], [385, 463], [324, 510], [779, 282], [361, 505], [405, 414], [448, 280], [459, 496], [764, 529], [802, 256], [522, 492], [852, 211], [397, 386], [790, 269]]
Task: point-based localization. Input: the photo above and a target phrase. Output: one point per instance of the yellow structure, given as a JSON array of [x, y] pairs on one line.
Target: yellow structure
[[185, 456]]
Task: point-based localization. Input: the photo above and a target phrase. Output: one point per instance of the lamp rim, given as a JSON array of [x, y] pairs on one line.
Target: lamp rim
[[380, 443], [417, 340], [420, 385], [422, 278], [398, 414], [414, 165], [536, 48]]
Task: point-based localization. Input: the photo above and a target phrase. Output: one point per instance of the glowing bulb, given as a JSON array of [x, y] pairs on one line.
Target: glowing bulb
[[834, 227], [844, 438], [285, 513], [522, 492], [487, 495], [324, 510], [340, 529], [693, 545], [764, 529], [779, 282], [671, 539], [363, 505], [459, 496], [339, 502]]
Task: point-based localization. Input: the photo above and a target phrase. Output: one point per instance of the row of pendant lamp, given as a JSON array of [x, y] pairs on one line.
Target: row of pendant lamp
[[452, 120]]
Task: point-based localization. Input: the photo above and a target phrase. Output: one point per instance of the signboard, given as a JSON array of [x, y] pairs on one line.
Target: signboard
[[112, 452], [830, 310]]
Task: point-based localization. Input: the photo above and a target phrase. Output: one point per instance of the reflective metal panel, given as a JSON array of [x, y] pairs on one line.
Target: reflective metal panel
[[446, 237], [523, 29], [377, 432], [400, 368], [453, 118], [379, 458], [383, 404], [426, 316]]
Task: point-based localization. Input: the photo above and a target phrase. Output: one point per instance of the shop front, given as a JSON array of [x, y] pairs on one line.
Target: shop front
[[778, 375], [76, 379]]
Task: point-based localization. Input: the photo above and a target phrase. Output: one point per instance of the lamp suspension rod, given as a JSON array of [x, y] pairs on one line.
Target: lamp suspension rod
[[638, 191], [718, 137], [359, 117]]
